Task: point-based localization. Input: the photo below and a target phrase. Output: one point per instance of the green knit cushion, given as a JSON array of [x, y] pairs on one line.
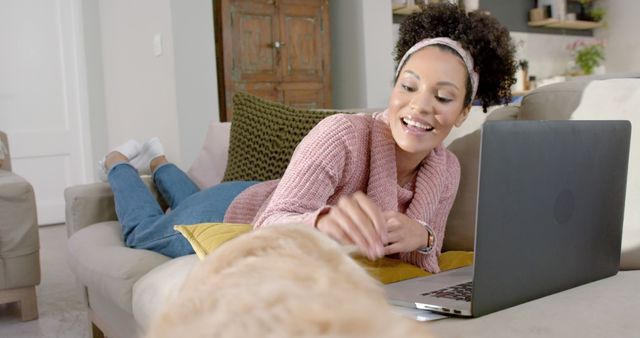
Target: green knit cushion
[[263, 137]]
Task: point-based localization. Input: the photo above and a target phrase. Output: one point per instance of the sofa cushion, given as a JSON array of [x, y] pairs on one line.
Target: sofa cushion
[[208, 167], [160, 285], [605, 308], [553, 102], [100, 260], [618, 99], [263, 137], [207, 237]]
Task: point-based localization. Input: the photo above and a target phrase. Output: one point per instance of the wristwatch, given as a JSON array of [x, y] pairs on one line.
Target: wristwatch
[[431, 241]]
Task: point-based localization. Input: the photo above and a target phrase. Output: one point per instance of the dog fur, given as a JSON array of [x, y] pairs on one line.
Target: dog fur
[[281, 281]]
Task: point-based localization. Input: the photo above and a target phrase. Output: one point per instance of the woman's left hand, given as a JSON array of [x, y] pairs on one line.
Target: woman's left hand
[[403, 233]]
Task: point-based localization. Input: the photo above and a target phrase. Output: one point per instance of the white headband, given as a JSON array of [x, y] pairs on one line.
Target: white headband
[[464, 54]]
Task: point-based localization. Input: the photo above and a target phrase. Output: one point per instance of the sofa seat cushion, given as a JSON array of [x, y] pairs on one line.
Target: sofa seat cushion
[[604, 308], [153, 290], [100, 260]]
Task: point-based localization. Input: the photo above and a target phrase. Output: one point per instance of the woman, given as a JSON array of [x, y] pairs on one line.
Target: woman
[[383, 181]]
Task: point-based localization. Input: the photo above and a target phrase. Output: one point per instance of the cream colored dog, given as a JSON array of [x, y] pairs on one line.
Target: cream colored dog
[[281, 281]]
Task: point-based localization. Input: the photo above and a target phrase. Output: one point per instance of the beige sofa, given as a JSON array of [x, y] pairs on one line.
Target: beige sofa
[[19, 241], [126, 287]]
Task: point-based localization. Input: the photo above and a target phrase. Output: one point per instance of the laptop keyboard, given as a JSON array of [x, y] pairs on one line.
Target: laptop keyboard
[[460, 292]]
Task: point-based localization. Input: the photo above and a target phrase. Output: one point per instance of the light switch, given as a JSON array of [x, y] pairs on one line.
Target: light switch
[[157, 44]]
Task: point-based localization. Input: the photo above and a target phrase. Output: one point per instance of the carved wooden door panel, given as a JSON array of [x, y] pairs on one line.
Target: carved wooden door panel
[[254, 27], [302, 25], [275, 49]]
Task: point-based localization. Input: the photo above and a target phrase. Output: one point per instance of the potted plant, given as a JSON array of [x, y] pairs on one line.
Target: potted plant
[[590, 13], [587, 54], [597, 13]]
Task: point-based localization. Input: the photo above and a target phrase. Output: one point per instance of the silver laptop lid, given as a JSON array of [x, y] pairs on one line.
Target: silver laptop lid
[[550, 208]]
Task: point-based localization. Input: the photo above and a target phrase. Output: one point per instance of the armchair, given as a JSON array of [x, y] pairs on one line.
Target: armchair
[[19, 239]]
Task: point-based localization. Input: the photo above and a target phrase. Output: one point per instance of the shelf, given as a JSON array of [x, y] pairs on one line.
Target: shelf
[[405, 9], [520, 92], [573, 24]]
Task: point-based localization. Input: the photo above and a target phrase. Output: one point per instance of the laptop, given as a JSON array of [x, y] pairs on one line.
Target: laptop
[[549, 217]]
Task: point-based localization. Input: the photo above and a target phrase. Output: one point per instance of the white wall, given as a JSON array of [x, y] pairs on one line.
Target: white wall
[[94, 81], [621, 33], [361, 46], [547, 54], [140, 93], [195, 74], [378, 48], [347, 73], [173, 95]]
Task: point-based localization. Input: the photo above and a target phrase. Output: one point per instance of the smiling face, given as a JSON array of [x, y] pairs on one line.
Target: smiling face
[[427, 100]]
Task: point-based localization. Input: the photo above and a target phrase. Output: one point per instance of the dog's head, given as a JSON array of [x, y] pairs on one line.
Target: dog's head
[[281, 281]]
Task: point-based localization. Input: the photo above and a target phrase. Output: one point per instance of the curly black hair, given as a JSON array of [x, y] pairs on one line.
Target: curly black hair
[[486, 39]]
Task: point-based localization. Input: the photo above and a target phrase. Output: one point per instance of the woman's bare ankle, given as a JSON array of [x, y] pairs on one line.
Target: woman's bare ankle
[[113, 158], [156, 162]]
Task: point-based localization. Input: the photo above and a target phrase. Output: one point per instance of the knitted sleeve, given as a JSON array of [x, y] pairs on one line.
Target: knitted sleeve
[[438, 220], [315, 171]]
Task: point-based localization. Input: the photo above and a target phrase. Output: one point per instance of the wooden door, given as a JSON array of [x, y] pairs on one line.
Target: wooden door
[[254, 27], [246, 59], [275, 49]]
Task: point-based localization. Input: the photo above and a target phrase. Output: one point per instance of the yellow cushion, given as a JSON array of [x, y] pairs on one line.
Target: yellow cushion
[[389, 270], [206, 237]]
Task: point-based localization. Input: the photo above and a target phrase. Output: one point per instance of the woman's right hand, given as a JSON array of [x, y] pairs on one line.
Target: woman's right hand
[[356, 219]]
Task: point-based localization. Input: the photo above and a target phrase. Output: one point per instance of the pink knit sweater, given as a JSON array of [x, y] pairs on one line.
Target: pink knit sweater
[[346, 153]]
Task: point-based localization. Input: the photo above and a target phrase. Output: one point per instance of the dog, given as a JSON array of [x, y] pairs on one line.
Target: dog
[[281, 281]]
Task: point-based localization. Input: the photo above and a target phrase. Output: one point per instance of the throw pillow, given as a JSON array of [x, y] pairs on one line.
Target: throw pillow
[[263, 137], [388, 270], [206, 237], [208, 168]]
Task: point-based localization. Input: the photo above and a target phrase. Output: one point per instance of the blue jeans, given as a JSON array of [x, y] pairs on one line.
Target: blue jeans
[[144, 223]]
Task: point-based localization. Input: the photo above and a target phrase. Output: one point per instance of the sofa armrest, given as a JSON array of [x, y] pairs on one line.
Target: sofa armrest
[[18, 223], [88, 204]]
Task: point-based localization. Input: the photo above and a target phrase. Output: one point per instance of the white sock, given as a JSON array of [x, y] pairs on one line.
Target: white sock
[[130, 149], [151, 149]]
